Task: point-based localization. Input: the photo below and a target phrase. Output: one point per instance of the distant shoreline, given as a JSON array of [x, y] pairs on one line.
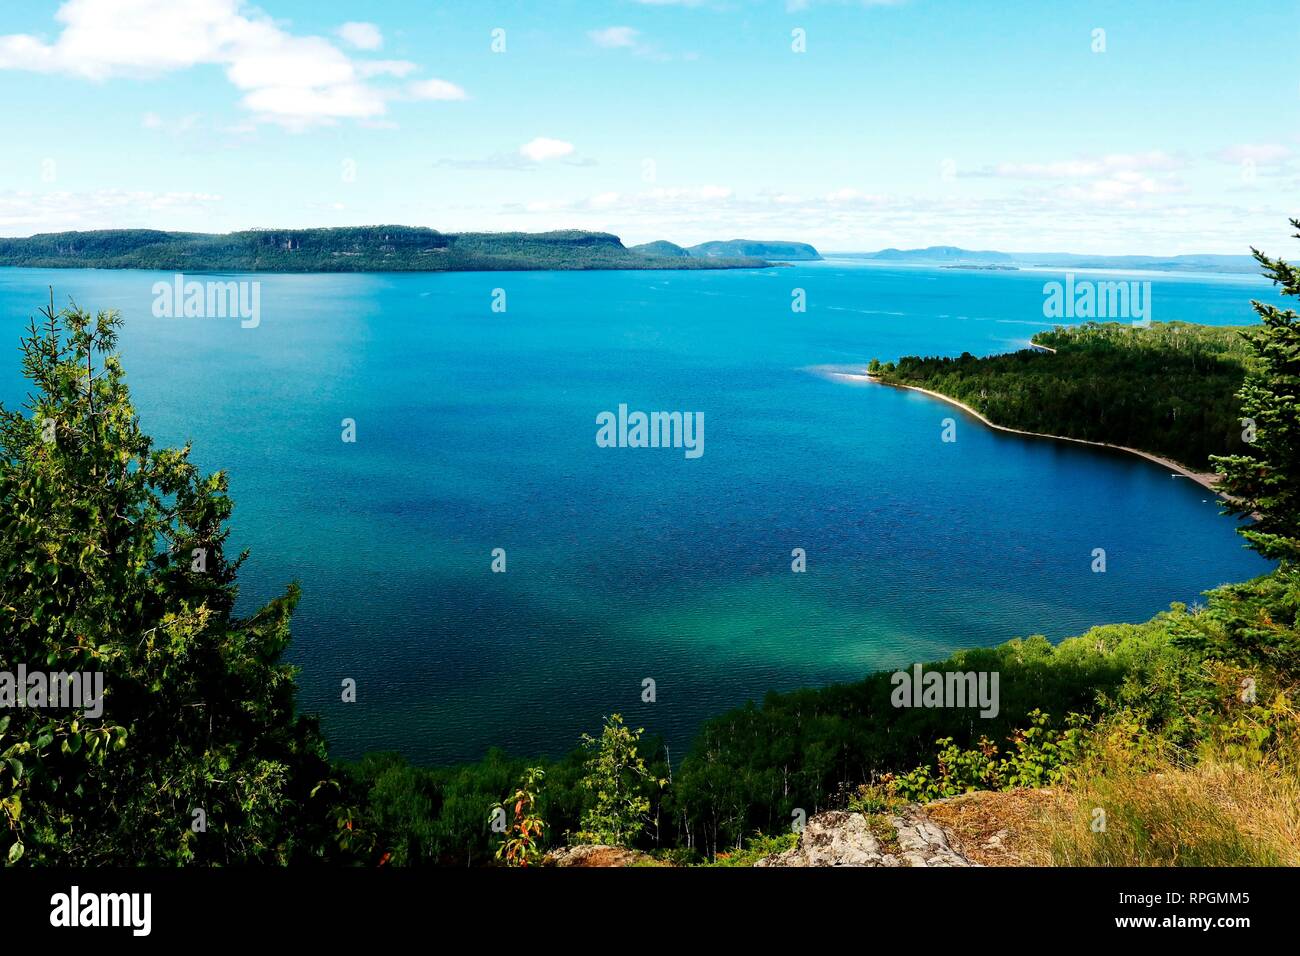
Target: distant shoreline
[[233, 271], [1207, 479], [383, 248]]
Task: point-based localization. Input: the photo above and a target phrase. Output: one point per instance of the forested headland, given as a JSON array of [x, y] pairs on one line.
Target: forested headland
[[1169, 388]]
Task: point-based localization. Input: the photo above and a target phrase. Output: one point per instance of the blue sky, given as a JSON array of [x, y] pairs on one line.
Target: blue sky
[[983, 124]]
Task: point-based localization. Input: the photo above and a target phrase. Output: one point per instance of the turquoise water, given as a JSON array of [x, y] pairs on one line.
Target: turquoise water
[[476, 430]]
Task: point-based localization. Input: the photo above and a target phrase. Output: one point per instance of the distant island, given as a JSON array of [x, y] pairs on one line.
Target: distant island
[[379, 249], [733, 249], [956, 257]]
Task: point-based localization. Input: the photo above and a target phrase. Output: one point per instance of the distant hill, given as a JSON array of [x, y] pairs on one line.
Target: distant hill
[[1187, 263], [347, 249], [955, 256], [661, 247], [946, 254], [783, 251]]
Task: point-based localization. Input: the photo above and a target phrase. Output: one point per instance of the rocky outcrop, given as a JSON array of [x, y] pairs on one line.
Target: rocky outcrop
[[984, 828], [845, 838], [596, 854]]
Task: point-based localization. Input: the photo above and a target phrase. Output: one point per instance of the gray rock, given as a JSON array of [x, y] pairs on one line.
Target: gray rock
[[595, 854], [844, 838]]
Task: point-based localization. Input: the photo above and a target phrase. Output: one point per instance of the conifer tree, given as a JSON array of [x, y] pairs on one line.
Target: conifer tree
[[1264, 481], [113, 560]]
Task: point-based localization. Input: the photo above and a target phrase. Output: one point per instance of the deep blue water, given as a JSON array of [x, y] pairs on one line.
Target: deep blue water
[[476, 430]]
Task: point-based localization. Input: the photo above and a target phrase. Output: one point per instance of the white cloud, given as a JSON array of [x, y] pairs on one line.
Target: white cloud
[[848, 195], [280, 61], [1088, 168], [797, 6], [363, 36], [546, 206], [1122, 179], [1262, 154], [101, 38], [293, 80], [614, 37], [306, 104], [436, 90], [1126, 186], [629, 39], [529, 158], [369, 68], [1057, 219], [23, 212], [541, 149], [689, 194], [182, 124]]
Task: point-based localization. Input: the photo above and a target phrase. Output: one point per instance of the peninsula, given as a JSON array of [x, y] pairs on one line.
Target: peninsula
[[1167, 391]]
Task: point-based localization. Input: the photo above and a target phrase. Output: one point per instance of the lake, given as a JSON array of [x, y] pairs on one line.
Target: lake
[[476, 430]]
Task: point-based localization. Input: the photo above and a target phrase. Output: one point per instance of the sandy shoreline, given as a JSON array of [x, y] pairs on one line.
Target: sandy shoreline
[[1207, 479]]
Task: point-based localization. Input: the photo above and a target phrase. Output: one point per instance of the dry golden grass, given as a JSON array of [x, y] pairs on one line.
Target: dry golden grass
[[1212, 813], [1209, 814], [998, 827]]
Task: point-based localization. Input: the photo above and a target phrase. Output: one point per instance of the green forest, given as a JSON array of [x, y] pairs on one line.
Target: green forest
[[99, 542], [1169, 388], [344, 249]]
